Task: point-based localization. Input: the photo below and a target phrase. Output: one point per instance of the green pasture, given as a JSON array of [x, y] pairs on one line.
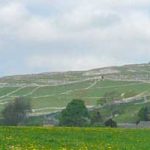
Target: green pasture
[[48, 138], [59, 96]]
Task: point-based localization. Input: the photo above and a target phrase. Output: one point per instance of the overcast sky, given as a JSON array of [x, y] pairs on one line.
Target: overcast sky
[[57, 35]]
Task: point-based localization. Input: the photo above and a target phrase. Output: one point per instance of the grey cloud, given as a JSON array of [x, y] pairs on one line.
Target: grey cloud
[[99, 33]]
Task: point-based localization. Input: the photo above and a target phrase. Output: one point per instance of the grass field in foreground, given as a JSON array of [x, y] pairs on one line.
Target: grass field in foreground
[[20, 138]]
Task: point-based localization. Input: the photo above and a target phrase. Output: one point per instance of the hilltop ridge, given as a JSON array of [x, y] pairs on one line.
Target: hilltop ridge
[[134, 72]]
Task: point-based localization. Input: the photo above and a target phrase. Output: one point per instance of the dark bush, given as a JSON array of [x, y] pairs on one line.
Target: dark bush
[[110, 123]]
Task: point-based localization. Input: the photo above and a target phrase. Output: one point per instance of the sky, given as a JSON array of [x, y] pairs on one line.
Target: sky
[[60, 35]]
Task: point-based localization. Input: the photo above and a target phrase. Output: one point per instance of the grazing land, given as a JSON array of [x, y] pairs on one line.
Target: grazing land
[[51, 92], [22, 138]]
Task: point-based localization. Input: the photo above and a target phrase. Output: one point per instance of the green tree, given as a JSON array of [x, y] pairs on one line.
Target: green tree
[[16, 112], [143, 114], [96, 117], [75, 114]]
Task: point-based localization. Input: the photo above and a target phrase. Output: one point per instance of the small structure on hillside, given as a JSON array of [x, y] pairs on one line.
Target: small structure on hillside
[[127, 125], [143, 124], [50, 120]]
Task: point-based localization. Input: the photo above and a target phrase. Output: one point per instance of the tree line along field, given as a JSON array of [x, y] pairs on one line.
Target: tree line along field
[[33, 138]]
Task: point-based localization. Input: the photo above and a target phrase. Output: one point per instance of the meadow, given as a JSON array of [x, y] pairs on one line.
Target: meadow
[[47, 99], [49, 138], [50, 98]]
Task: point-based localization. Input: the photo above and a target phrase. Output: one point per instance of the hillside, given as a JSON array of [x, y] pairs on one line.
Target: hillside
[[135, 72], [50, 92]]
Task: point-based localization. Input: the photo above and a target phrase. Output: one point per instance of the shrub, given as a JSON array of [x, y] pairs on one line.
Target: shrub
[[110, 123]]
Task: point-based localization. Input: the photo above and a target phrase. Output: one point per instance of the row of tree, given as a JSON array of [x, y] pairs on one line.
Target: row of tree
[[16, 112], [76, 114], [143, 114]]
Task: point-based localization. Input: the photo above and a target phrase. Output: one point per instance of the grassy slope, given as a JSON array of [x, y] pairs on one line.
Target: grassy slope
[[127, 112], [48, 98], [55, 98], [90, 96], [73, 139]]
